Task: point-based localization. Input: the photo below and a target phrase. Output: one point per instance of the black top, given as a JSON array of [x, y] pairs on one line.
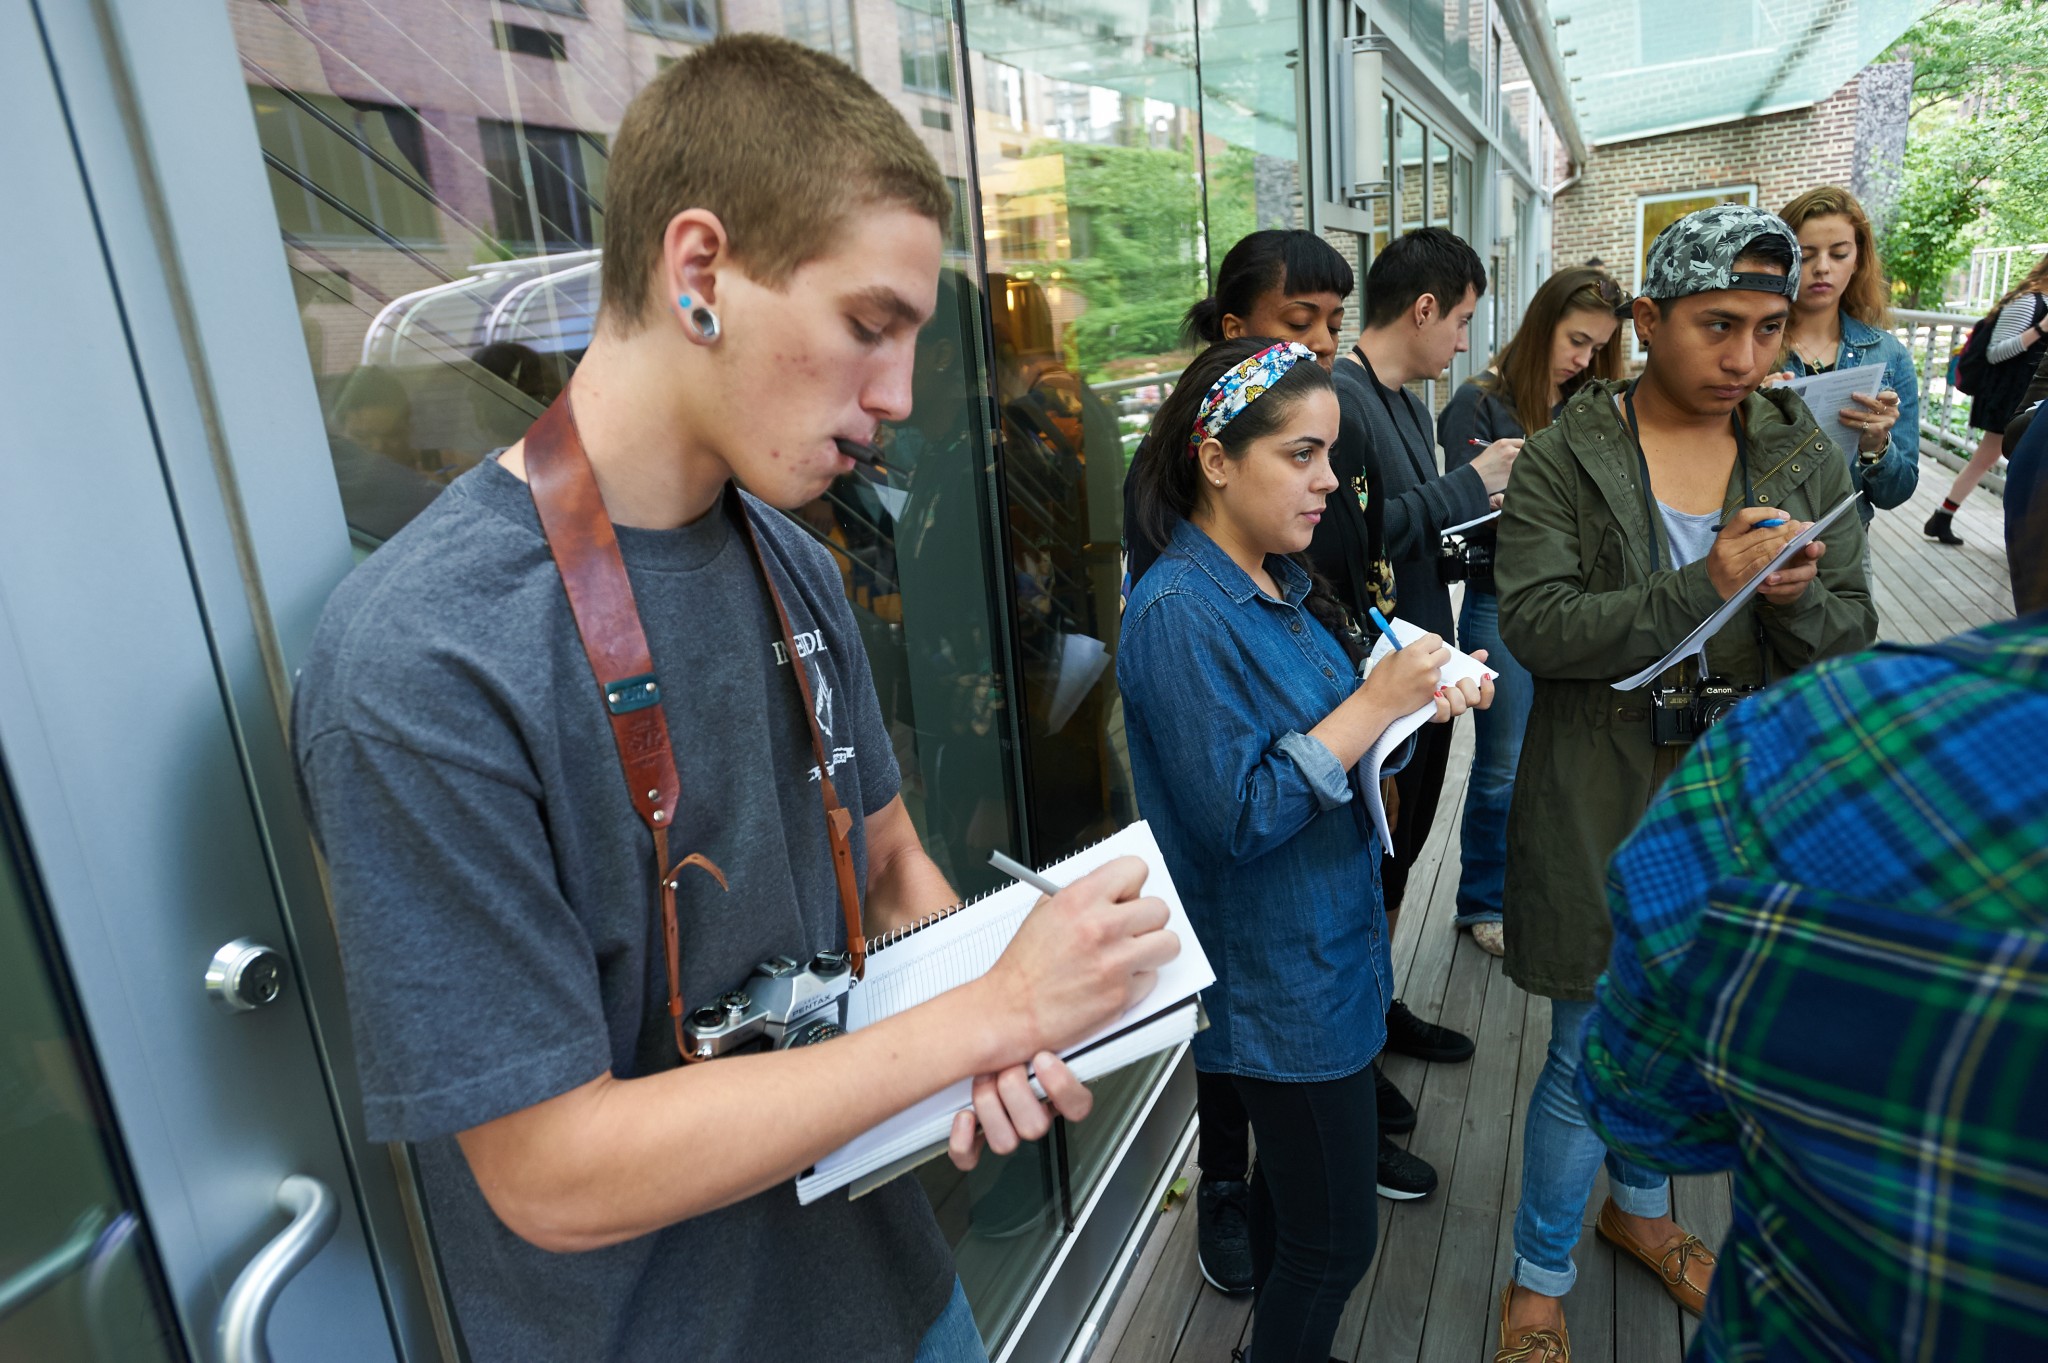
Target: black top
[[1473, 413]]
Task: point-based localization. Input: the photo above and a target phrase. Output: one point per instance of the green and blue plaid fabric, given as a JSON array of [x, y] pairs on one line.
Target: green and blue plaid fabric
[[1830, 974]]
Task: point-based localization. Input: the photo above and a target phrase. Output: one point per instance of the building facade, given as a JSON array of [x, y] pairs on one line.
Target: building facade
[[1630, 190], [295, 264]]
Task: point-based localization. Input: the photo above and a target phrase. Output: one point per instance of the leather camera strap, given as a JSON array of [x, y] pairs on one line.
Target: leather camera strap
[[586, 552]]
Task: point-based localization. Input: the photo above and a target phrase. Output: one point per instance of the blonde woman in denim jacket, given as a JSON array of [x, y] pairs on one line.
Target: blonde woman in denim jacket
[[1838, 323]]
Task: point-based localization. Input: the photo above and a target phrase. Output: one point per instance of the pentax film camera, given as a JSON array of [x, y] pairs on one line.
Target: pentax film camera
[[1461, 560], [782, 1005], [1679, 715]]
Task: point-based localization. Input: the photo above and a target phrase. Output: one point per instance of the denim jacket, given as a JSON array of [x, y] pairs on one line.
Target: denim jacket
[[1892, 479], [1269, 839]]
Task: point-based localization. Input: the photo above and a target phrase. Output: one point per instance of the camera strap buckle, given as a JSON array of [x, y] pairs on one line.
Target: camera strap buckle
[[586, 551]]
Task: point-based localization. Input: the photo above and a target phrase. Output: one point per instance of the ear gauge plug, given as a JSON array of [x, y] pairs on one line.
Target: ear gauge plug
[[702, 321]]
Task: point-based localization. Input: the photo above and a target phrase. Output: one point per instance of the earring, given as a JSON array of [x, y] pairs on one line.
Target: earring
[[702, 321]]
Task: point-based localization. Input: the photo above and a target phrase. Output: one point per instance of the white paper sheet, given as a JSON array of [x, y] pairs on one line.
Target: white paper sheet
[[1450, 530], [1827, 395], [1711, 626], [961, 947], [1461, 667], [1082, 659]]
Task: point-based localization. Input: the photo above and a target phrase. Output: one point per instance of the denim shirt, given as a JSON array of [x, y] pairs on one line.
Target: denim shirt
[[1892, 479], [1269, 839]]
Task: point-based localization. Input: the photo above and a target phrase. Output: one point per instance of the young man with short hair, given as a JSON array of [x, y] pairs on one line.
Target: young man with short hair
[[1420, 295], [774, 243], [1629, 520]]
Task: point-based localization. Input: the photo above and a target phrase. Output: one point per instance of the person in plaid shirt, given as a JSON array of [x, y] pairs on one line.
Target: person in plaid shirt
[[1830, 974]]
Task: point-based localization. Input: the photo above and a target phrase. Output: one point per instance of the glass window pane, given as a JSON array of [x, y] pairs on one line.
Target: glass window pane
[[1250, 97], [72, 1240], [1410, 201], [1439, 182], [1087, 141]]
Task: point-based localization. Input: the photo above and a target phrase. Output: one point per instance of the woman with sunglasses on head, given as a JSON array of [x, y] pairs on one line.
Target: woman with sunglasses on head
[[1247, 720], [1838, 322], [1567, 336]]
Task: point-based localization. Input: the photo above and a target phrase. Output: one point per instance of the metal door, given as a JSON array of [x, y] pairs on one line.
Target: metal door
[[137, 852]]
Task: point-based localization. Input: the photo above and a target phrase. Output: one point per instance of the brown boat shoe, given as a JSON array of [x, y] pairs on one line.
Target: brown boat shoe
[[1533, 1346], [1672, 1264]]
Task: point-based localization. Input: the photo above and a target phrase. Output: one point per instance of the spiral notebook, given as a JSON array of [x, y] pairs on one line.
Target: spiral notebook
[[912, 966]]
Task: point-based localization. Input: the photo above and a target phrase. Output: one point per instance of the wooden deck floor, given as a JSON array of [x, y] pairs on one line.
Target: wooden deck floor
[[1432, 1293]]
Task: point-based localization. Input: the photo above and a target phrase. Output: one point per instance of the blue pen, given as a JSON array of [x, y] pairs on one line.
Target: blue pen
[[1771, 524], [1385, 628]]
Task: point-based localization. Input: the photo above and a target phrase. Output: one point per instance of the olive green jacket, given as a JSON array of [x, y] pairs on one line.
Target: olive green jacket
[[1584, 601]]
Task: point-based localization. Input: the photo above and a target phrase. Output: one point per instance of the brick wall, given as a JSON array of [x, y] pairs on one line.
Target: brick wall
[[1782, 155]]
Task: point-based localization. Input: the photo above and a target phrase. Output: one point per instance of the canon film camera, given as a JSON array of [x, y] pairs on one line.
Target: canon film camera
[[1461, 560], [1680, 714], [782, 1005]]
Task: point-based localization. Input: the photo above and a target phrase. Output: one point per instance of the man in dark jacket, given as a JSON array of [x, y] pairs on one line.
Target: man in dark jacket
[[1628, 521], [1393, 505]]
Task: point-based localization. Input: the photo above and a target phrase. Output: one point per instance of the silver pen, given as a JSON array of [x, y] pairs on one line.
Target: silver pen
[[1017, 870]]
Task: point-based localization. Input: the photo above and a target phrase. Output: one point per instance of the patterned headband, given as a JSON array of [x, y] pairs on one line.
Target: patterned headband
[[1245, 384]]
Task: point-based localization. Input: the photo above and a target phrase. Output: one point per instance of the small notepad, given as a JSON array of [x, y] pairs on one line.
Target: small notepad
[[911, 967], [1459, 667]]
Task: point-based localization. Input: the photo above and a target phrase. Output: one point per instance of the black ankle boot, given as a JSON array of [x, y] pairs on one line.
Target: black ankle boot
[[1940, 527]]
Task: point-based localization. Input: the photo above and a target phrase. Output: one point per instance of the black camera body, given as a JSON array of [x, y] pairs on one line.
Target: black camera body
[[1680, 714], [1461, 560]]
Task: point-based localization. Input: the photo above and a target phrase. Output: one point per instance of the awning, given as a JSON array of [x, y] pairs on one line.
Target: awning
[[1641, 67]]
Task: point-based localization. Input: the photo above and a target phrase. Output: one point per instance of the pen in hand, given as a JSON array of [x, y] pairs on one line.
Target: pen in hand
[[1017, 870], [1386, 626]]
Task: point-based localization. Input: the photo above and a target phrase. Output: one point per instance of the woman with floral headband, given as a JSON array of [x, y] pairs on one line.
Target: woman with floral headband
[[1246, 720]]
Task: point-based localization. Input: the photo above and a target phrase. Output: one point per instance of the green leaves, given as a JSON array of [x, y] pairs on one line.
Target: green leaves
[[1976, 168]]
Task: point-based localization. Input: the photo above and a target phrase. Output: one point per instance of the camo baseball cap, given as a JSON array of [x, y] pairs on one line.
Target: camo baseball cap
[[1697, 254]]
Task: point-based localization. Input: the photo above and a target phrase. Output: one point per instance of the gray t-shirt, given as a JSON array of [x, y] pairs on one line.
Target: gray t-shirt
[[494, 894], [1690, 536]]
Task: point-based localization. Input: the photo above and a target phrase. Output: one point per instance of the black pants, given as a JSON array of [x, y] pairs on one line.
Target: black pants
[[1314, 1213], [1226, 1129], [1421, 784]]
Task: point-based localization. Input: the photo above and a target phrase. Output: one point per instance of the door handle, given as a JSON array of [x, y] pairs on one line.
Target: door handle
[[245, 1311]]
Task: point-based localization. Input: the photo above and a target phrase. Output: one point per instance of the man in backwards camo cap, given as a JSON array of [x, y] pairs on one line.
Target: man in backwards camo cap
[[1629, 520]]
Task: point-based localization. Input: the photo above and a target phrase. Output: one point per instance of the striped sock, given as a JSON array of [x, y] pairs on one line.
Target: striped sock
[[1951, 506]]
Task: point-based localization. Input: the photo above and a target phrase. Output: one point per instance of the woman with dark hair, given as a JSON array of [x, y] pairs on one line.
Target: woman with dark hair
[[1246, 721], [1567, 336], [1839, 322], [2018, 341], [1284, 283], [1291, 285]]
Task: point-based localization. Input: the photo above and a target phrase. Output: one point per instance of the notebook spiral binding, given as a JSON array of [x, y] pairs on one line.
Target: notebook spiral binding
[[897, 934]]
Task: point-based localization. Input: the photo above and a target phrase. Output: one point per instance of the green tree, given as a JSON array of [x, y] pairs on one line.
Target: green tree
[[1135, 222], [1976, 168]]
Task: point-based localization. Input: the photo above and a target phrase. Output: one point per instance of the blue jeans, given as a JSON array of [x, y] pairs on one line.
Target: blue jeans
[[1560, 1159], [1497, 732], [953, 1337]]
